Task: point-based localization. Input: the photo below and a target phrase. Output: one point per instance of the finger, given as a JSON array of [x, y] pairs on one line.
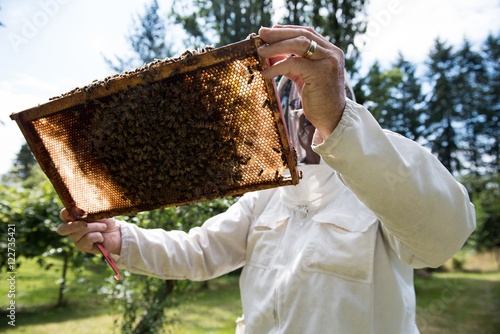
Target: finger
[[65, 216], [286, 47], [87, 243], [90, 228], [110, 222], [279, 33], [71, 227], [295, 68]]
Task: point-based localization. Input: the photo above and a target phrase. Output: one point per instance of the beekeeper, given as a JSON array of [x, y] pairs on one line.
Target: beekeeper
[[334, 254]]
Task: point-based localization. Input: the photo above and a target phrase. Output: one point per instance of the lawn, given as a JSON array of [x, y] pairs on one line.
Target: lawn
[[449, 302], [459, 302], [37, 292]]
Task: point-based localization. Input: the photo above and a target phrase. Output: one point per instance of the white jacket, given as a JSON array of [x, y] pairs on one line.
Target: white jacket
[[334, 254]]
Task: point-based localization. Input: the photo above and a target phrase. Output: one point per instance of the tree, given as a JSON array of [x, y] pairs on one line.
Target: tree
[[338, 20], [405, 105], [24, 162], [485, 194], [220, 23], [462, 119], [468, 83], [377, 89], [394, 96], [442, 107], [490, 102], [148, 40], [31, 204], [144, 299]]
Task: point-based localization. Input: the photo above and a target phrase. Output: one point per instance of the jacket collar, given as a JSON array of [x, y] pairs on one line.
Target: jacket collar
[[318, 186]]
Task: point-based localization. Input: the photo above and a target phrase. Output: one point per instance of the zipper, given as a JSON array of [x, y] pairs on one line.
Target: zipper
[[300, 214]]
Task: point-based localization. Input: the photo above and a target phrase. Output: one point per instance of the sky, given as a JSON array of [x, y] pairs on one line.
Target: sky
[[49, 47]]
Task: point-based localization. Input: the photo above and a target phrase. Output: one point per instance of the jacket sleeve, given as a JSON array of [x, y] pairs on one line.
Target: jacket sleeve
[[426, 215], [214, 249]]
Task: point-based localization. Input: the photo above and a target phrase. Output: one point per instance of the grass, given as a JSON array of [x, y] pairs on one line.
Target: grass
[[37, 292], [459, 302], [449, 302], [212, 310]]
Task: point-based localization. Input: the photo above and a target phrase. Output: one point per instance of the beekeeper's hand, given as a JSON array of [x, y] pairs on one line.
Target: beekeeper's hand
[[86, 234], [315, 65]]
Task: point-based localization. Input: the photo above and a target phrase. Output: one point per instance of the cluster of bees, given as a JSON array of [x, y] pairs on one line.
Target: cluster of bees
[[170, 138], [194, 135]]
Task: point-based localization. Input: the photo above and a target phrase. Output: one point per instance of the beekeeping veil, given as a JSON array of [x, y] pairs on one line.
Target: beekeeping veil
[[300, 130]]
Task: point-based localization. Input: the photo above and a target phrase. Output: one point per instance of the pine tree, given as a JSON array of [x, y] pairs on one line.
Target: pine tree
[[377, 89], [406, 102], [468, 76], [442, 112], [148, 40], [24, 162], [490, 102]]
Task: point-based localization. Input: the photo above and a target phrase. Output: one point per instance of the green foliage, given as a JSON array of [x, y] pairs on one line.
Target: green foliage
[[33, 207], [394, 97], [379, 87], [221, 22], [143, 300], [29, 202], [147, 298], [405, 105], [485, 194]]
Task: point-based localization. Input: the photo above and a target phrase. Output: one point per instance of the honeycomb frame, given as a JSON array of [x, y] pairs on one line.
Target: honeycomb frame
[[173, 132]]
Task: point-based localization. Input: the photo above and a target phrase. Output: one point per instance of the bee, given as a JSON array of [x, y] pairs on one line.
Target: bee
[[284, 157], [245, 161]]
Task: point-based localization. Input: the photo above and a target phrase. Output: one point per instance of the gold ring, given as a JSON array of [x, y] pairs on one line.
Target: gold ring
[[310, 50]]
